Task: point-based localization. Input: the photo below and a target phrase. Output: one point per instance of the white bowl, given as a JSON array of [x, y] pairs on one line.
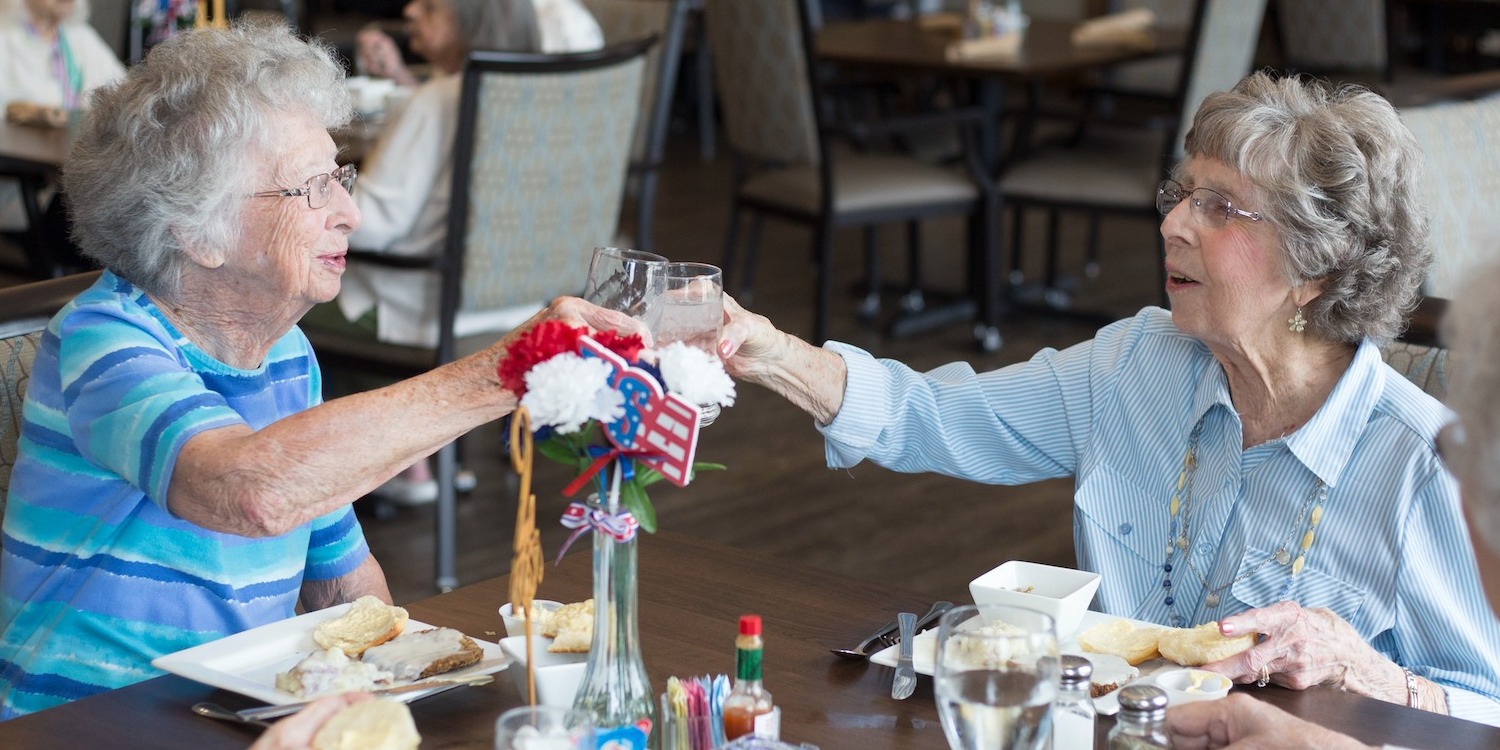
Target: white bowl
[[516, 626], [1063, 593], [1188, 685], [557, 675]]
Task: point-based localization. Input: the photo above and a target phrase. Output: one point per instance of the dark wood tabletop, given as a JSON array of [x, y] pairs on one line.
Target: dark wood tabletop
[[34, 150], [691, 595], [1048, 49]]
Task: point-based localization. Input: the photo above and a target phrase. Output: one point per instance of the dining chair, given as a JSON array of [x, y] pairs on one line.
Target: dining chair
[[1336, 35], [1424, 365], [1461, 166], [624, 21], [786, 165], [1115, 169], [25, 310], [539, 165]]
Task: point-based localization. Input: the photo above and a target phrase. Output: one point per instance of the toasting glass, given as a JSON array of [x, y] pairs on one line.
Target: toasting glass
[[691, 310], [996, 677], [625, 280]]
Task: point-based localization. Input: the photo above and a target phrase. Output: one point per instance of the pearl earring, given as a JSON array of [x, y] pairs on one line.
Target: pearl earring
[[1296, 323]]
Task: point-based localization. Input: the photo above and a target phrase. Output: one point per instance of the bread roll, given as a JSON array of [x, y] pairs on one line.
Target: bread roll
[[1122, 638], [571, 628], [1193, 647], [370, 725], [369, 622], [419, 655]]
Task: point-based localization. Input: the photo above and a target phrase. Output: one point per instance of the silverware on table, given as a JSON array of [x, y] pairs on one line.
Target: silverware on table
[[271, 712], [216, 711], [906, 672], [888, 635]]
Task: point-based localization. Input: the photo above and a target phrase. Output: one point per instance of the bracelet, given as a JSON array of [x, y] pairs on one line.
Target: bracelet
[[1411, 688]]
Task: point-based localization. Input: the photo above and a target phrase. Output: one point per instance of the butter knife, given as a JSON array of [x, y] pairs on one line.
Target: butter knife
[[906, 672], [271, 712]]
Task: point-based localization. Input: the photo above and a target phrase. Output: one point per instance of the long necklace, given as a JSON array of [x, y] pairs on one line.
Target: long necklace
[[1179, 540]]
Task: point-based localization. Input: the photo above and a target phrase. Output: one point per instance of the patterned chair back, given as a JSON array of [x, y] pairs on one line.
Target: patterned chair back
[[761, 75], [539, 169], [25, 310], [1426, 366], [1461, 159], [1158, 75], [629, 20], [1221, 54], [1334, 34]]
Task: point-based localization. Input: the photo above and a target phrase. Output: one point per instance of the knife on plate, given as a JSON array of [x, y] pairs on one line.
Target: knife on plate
[[906, 672], [271, 712]]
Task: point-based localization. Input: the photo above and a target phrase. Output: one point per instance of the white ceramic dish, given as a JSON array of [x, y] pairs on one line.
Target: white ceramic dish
[[557, 675], [516, 626], [247, 663], [1188, 685], [1064, 593]]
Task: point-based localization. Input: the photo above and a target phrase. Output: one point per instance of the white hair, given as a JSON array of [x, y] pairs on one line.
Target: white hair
[[1472, 446]]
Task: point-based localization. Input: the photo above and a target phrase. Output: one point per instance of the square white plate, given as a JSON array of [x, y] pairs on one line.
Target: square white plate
[[247, 663]]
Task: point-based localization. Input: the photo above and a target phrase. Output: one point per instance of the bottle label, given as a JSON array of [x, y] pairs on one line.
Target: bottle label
[[630, 737], [768, 725], [747, 664]]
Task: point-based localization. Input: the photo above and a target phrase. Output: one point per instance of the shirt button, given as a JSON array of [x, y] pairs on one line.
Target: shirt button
[[1125, 529]]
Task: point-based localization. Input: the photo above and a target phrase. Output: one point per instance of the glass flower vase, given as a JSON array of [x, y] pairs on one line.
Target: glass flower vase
[[616, 691]]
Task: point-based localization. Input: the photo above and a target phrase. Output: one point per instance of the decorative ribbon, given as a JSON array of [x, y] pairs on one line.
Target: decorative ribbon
[[602, 456], [581, 518]]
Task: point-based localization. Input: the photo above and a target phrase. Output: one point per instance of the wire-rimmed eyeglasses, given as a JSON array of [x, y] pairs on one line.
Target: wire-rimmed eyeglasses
[[318, 188], [1211, 208]]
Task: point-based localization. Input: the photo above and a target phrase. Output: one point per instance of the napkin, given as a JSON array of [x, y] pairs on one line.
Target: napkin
[[1130, 28]]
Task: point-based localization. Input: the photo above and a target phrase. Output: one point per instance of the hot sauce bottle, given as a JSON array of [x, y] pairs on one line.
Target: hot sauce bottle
[[748, 708]]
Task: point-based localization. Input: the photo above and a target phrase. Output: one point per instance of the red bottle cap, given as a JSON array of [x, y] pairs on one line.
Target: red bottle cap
[[749, 624]]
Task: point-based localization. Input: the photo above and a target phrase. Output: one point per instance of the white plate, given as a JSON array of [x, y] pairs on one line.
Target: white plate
[[1107, 668], [247, 663]]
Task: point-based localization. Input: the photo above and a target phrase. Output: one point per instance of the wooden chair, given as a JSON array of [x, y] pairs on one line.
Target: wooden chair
[[629, 20], [25, 310], [1116, 170], [771, 92], [539, 167]]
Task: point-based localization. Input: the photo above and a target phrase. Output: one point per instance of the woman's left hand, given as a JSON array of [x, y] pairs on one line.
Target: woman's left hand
[[1301, 648]]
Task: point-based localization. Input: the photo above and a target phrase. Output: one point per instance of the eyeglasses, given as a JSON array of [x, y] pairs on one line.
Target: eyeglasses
[[1211, 208], [317, 187]]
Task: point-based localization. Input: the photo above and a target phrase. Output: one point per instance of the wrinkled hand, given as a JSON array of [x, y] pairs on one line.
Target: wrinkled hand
[[376, 53], [576, 312], [747, 342], [1242, 722], [296, 731], [1299, 648]]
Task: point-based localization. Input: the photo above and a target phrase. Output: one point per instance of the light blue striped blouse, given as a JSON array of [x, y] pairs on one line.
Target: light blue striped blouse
[[1392, 556], [99, 577]]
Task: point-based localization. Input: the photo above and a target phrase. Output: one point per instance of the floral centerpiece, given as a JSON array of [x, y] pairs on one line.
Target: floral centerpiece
[[626, 417]]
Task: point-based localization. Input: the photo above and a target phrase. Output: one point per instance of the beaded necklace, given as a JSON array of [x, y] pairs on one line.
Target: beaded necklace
[[1179, 539]]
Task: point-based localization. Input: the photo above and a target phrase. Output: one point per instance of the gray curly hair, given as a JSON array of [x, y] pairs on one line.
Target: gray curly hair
[[1471, 448], [1339, 175], [164, 159]]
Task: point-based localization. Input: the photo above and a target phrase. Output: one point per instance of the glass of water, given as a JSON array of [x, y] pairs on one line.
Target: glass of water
[[996, 677], [625, 280], [544, 728], [691, 310]]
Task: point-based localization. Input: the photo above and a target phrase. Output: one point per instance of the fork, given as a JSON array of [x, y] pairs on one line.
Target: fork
[[905, 681], [893, 637]]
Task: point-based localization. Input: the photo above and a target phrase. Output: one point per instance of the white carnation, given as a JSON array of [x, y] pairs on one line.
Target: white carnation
[[567, 391], [695, 375]]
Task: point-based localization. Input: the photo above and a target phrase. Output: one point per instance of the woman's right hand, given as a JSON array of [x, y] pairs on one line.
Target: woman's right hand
[[748, 341], [757, 352], [376, 54]]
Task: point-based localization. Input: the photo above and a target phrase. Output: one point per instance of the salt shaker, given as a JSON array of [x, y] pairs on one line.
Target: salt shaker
[[1073, 710], [1139, 725]]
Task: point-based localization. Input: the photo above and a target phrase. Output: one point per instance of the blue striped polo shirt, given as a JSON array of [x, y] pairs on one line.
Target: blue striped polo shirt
[[1391, 556], [98, 577]]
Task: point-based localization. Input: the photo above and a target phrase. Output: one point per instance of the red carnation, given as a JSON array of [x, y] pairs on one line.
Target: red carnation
[[544, 341], [628, 346]]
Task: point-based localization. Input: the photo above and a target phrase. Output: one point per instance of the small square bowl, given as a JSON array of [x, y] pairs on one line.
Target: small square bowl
[[1063, 593], [1188, 685], [557, 675], [515, 626]]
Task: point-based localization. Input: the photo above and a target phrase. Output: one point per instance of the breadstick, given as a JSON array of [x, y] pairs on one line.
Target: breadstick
[[526, 564]]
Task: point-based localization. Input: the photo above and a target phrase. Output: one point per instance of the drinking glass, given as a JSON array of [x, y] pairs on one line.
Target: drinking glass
[[691, 310], [544, 728], [625, 280], [996, 677]]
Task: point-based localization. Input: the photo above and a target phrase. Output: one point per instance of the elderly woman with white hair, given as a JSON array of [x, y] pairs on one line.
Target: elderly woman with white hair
[[1470, 446], [179, 477], [1247, 457]]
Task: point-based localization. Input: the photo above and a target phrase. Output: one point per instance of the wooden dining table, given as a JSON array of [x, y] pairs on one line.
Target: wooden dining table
[[691, 594]]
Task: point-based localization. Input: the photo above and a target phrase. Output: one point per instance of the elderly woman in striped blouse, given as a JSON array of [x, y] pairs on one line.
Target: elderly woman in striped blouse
[[1245, 458]]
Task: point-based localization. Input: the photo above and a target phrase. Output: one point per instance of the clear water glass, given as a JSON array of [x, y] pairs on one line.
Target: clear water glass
[[625, 280], [996, 677], [544, 728], [691, 310]]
